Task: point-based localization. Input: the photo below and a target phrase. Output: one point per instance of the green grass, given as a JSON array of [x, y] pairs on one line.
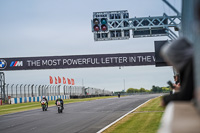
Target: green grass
[[12, 108], [145, 119]]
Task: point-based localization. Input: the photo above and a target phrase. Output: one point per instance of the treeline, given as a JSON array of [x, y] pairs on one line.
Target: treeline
[[160, 89], [153, 89]]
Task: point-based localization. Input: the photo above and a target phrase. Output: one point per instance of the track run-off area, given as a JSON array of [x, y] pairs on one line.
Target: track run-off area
[[80, 117]]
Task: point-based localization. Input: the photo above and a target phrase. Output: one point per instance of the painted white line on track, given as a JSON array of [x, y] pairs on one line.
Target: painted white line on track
[[100, 131]]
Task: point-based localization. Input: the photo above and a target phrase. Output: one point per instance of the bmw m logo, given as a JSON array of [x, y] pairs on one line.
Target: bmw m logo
[[16, 63], [3, 64]]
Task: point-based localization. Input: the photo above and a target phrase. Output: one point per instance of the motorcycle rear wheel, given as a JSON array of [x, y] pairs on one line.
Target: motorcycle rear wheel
[[58, 110]]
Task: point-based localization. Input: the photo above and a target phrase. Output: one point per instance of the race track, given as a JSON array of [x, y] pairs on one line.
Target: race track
[[82, 117]]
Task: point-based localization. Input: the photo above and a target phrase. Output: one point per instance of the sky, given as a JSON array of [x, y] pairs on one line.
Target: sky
[[61, 28]]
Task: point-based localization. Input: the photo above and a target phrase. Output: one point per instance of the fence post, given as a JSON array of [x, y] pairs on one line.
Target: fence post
[[39, 90], [64, 89], [7, 90], [16, 90], [32, 90], [21, 90], [12, 90], [59, 89], [36, 94], [25, 90], [49, 87], [28, 89]]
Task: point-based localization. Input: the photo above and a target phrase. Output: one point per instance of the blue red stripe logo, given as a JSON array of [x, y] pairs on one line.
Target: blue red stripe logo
[[16, 63]]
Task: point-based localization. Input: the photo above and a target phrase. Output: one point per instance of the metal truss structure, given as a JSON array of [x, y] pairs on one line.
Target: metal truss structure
[[119, 29], [119, 25]]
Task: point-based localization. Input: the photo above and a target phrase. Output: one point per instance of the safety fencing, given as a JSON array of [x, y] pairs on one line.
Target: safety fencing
[[21, 93], [35, 99]]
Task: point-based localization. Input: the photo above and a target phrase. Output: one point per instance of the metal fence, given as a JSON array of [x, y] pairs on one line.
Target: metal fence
[[32, 90]]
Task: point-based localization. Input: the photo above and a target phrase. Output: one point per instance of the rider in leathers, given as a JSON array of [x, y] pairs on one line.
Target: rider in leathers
[[45, 100], [61, 101]]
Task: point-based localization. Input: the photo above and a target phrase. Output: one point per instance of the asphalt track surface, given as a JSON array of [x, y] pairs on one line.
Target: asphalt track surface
[[82, 117]]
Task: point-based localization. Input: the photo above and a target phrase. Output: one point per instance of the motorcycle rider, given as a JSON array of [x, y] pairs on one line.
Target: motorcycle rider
[[61, 101], [118, 95], [43, 97]]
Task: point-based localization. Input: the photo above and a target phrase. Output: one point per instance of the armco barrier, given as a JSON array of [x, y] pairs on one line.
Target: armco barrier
[[36, 99]]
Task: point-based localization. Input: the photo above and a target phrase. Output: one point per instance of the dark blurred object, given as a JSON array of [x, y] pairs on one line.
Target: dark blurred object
[[198, 10], [159, 61], [179, 53], [170, 84], [177, 78]]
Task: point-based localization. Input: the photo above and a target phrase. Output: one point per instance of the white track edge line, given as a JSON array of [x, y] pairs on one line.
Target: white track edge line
[[103, 129]]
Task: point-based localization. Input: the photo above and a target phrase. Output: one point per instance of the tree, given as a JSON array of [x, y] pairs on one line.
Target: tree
[[165, 89], [154, 89], [159, 89], [132, 90], [147, 90], [142, 90], [136, 90]]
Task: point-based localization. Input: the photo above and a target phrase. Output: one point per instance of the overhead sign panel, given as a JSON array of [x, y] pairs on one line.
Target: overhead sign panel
[[159, 59], [150, 33], [77, 61]]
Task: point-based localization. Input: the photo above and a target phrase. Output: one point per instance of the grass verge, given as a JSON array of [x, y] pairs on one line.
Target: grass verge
[[145, 119], [12, 108]]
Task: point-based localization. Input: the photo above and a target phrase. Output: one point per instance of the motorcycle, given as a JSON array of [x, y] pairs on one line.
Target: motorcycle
[[118, 95], [60, 108], [44, 105]]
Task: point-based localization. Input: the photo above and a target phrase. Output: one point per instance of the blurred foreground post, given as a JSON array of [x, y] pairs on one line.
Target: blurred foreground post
[[191, 31]]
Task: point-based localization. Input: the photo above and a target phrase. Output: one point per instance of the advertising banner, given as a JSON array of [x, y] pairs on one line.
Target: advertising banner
[[77, 61]]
